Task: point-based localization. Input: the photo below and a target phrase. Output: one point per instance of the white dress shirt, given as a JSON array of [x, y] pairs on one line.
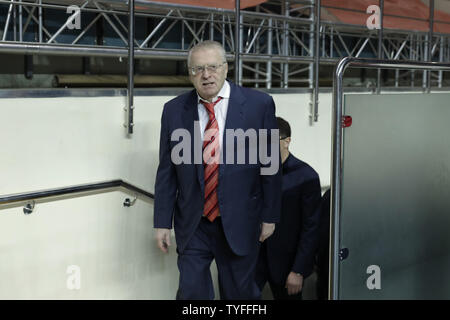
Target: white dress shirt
[[220, 111]]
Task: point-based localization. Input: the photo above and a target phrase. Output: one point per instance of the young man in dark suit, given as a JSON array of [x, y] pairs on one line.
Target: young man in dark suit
[[221, 208], [287, 257]]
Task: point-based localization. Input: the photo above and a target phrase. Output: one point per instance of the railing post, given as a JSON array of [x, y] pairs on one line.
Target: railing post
[[130, 92]]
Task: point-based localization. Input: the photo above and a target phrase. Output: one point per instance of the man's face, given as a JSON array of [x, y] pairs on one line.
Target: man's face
[[207, 83], [284, 145]]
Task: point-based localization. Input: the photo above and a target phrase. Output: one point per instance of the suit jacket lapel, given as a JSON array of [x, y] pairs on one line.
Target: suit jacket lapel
[[234, 120], [190, 118]]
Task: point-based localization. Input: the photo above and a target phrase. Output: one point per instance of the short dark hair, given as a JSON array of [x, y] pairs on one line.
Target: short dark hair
[[284, 127]]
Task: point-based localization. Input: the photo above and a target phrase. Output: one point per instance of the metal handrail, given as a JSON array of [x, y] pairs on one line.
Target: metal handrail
[[337, 130], [29, 199]]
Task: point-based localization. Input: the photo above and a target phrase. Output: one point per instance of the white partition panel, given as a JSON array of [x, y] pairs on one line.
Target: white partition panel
[[395, 213]]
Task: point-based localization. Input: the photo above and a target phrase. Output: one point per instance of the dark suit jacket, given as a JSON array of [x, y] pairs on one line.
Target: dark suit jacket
[[246, 198], [293, 245], [324, 234]]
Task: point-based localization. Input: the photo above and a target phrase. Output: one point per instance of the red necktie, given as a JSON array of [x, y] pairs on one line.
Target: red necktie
[[211, 152]]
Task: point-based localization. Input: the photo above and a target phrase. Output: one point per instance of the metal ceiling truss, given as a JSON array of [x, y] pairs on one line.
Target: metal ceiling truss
[[277, 42]]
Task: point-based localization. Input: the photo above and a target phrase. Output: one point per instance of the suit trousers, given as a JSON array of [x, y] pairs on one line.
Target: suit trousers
[[263, 276], [280, 292], [236, 273]]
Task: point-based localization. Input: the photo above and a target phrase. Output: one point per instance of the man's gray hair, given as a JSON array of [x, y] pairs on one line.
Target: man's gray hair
[[208, 44]]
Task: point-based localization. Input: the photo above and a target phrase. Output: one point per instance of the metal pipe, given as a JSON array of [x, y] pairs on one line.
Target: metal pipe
[[448, 49], [130, 93], [182, 36], [337, 156], [418, 47], [5, 31], [96, 51], [380, 44], [198, 9], [269, 53], [397, 55], [255, 36], [255, 70], [237, 40], [257, 77], [86, 29], [298, 71], [40, 21], [20, 24], [241, 41], [331, 43], [256, 81], [14, 23], [286, 45], [311, 65], [112, 24], [30, 15], [441, 59], [363, 46], [302, 45], [115, 12], [36, 20], [316, 63], [156, 29], [393, 31], [164, 34], [430, 42], [15, 200], [231, 43], [323, 41], [237, 44], [412, 57], [283, 59], [426, 58], [223, 31], [211, 27], [333, 290], [257, 49], [80, 50], [165, 5]]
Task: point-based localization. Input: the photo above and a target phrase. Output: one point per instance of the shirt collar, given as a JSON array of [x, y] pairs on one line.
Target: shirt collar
[[224, 93]]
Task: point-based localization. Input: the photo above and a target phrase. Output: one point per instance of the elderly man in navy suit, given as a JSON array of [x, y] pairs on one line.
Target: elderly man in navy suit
[[222, 200]]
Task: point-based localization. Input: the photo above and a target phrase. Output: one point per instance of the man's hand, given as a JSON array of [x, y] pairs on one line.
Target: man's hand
[[266, 231], [294, 283], [163, 239]]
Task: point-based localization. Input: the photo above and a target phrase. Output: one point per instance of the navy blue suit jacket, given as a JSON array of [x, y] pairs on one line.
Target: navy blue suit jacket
[[293, 245], [246, 198]]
